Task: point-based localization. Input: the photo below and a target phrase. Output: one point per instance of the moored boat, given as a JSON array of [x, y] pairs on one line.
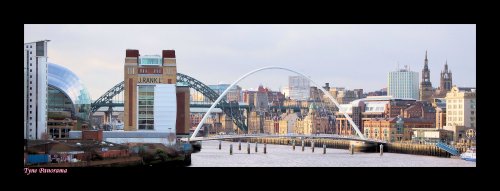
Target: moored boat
[[469, 155]]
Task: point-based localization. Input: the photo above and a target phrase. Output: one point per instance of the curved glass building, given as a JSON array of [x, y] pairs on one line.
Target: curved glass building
[[68, 102]]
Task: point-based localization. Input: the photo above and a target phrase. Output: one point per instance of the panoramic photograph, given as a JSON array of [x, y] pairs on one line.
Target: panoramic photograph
[[249, 95]]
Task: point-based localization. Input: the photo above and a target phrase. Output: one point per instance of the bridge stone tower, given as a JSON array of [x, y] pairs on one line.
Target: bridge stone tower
[[426, 90]]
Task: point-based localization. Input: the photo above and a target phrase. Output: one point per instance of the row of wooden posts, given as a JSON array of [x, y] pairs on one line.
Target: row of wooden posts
[[405, 148], [265, 147]]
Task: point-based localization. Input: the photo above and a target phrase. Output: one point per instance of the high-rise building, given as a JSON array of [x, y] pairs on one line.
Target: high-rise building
[[234, 94], [426, 85], [298, 88], [35, 60], [403, 84], [151, 97]]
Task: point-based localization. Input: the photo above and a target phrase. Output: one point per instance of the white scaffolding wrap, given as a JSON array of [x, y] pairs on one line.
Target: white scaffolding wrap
[[165, 108]]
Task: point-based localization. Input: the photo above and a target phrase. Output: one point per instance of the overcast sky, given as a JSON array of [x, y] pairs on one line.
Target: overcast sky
[[351, 56]]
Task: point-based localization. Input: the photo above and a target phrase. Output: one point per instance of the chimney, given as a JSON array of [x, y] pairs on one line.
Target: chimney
[[132, 53], [168, 54]]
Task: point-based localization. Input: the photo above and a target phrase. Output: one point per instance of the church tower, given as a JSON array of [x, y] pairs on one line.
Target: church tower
[[446, 80], [425, 85]]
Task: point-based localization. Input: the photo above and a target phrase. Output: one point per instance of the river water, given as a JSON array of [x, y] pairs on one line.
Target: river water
[[284, 156]]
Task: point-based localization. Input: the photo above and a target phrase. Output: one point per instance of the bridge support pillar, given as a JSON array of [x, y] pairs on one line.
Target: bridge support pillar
[[381, 149], [293, 144], [248, 147], [324, 148], [265, 147], [220, 145], [352, 149], [231, 149], [302, 145], [256, 143], [239, 145]]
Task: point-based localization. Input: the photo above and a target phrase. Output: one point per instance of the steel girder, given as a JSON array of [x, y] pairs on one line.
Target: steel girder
[[226, 107], [107, 98], [230, 109]]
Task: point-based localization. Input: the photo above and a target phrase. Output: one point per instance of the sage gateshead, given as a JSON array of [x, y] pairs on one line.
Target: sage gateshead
[[68, 102]]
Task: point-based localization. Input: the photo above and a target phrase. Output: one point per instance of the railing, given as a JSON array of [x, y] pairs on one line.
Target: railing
[[448, 148]]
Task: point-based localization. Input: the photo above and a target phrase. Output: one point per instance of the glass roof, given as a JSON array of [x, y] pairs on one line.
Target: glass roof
[[68, 82]]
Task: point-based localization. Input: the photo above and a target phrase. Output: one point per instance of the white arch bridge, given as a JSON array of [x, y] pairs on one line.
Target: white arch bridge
[[360, 136]]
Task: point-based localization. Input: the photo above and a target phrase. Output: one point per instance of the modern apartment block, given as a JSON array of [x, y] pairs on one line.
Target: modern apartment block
[[35, 97]]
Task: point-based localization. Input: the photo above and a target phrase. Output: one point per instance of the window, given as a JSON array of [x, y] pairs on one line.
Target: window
[[31, 76], [40, 49], [146, 107], [30, 52], [30, 112], [30, 100], [30, 106], [30, 70], [30, 82], [31, 118], [472, 112], [30, 94], [30, 88]]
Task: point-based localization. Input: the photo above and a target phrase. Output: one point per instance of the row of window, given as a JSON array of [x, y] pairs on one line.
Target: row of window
[[454, 119], [457, 106], [456, 112], [146, 107]]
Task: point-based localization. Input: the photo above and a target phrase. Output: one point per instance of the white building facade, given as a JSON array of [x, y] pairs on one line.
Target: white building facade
[[461, 108], [403, 84], [298, 88], [35, 60]]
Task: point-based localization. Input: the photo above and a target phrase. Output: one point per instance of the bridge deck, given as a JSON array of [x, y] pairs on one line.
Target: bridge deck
[[324, 136]]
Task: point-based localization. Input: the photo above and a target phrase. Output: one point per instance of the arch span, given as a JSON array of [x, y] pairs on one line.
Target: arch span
[[227, 108], [281, 68]]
